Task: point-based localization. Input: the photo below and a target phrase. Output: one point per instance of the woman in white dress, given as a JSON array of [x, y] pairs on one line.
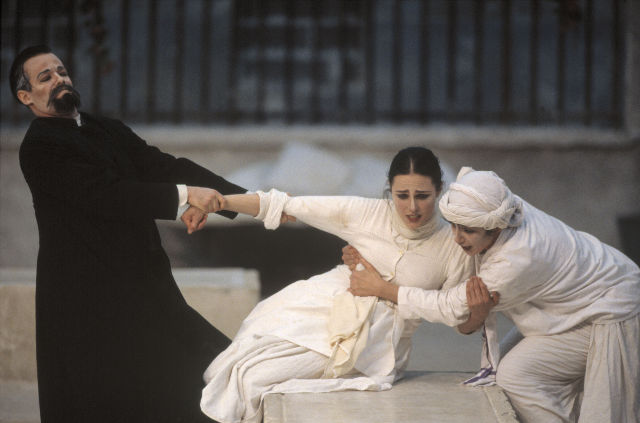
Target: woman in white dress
[[575, 299], [315, 336]]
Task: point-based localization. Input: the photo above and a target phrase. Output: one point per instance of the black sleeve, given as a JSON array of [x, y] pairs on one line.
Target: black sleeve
[[155, 166], [55, 169]]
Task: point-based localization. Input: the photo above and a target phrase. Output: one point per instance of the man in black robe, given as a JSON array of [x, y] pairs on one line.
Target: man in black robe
[[116, 341]]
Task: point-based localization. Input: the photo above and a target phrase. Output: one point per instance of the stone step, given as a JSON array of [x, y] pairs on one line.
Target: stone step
[[19, 402], [418, 398], [224, 296]]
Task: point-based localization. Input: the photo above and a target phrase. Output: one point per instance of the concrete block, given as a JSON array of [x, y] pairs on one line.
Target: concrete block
[[224, 296], [19, 402], [17, 324], [419, 397]]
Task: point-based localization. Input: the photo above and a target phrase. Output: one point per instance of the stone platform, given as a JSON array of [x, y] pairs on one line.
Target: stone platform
[[224, 296], [19, 402], [418, 398]]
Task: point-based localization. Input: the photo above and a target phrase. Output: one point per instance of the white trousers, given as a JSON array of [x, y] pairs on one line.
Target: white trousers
[[544, 375]]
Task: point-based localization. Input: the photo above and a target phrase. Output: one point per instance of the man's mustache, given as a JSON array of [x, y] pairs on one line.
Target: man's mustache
[[57, 90]]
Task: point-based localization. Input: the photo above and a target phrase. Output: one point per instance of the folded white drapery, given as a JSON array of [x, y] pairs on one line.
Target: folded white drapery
[[348, 331]]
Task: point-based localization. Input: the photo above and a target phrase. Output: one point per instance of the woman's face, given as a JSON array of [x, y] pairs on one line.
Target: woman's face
[[474, 240], [414, 197]]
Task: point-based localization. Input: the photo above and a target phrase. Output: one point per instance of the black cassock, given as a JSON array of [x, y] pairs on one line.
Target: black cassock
[[116, 341]]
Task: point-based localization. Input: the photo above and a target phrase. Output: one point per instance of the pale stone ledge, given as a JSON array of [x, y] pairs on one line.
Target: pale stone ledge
[[19, 402], [500, 403], [224, 296], [419, 397]]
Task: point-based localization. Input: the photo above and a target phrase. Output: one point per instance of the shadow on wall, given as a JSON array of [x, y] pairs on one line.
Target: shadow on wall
[[629, 227], [294, 251], [291, 253]]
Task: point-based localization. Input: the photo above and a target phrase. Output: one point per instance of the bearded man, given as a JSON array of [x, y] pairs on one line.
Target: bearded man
[[116, 341]]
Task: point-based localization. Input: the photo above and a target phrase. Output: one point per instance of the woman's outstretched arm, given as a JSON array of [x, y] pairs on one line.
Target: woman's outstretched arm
[[248, 204], [195, 218], [242, 203]]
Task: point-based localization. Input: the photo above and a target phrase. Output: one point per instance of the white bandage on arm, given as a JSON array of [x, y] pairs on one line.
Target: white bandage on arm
[[271, 206]]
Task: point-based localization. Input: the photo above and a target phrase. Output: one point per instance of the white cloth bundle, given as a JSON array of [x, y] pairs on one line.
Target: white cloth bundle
[[481, 199], [348, 331]]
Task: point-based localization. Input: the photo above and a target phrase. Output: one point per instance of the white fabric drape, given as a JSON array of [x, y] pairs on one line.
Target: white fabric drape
[[611, 387], [348, 332]]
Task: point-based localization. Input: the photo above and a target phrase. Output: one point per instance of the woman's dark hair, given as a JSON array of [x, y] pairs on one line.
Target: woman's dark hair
[[418, 160], [18, 80]]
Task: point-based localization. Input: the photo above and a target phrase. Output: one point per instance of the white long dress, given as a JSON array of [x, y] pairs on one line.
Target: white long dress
[[283, 345]]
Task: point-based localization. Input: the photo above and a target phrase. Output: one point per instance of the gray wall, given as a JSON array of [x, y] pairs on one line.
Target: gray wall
[[586, 177], [588, 181]]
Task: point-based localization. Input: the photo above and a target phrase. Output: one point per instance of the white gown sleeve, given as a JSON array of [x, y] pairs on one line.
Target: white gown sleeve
[[512, 275], [440, 306], [332, 214], [449, 306]]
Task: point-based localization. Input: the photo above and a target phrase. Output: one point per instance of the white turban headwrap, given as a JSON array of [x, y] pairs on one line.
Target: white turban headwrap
[[481, 199]]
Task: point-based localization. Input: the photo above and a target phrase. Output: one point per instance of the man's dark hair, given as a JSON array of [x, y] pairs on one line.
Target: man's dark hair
[[17, 78]]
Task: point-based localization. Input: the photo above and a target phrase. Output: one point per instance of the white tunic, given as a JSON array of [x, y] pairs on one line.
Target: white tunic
[[550, 278], [299, 313]]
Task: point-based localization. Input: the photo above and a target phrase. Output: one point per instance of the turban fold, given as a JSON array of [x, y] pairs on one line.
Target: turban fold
[[481, 199]]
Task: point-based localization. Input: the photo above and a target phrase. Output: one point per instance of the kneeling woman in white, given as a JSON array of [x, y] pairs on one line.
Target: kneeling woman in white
[[575, 300], [314, 336]]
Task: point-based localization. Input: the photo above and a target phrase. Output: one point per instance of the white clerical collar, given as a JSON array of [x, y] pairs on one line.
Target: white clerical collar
[[78, 119]]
